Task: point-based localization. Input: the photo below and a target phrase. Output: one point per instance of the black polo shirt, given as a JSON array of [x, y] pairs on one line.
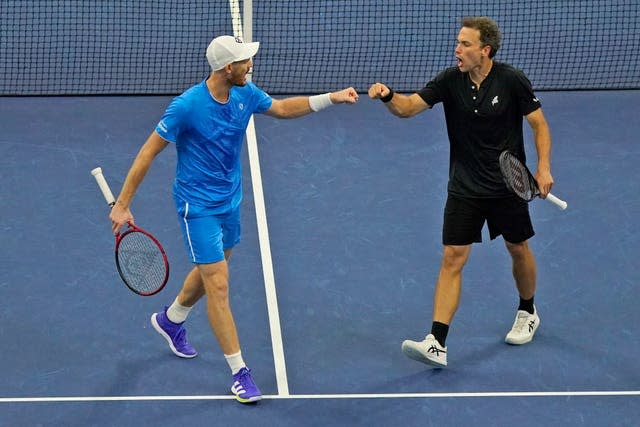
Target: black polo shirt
[[481, 123]]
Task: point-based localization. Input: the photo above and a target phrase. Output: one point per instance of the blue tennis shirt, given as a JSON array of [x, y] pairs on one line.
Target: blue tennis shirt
[[208, 136]]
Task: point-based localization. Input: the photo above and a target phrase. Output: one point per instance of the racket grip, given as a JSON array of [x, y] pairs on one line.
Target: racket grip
[[104, 187], [559, 203]]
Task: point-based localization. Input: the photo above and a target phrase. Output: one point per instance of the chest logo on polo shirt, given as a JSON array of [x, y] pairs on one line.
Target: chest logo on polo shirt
[[241, 106], [494, 101]]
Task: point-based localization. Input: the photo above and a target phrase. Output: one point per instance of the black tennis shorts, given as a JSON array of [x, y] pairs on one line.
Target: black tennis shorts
[[465, 217]]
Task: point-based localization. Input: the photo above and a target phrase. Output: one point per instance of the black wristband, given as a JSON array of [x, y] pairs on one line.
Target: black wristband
[[388, 97]]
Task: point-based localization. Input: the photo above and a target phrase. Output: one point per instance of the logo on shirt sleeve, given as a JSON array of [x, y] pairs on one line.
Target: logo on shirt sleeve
[[163, 126]]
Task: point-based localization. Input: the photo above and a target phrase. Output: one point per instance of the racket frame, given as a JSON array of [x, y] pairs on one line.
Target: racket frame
[[550, 197], [134, 229], [111, 201]]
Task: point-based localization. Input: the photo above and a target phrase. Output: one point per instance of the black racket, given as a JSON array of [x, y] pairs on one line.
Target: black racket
[[520, 180], [141, 261]]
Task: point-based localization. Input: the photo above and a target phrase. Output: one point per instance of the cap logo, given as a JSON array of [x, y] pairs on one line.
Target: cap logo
[[238, 40]]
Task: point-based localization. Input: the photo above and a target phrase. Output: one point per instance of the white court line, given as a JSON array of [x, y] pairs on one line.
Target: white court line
[[328, 396], [263, 232], [267, 264]]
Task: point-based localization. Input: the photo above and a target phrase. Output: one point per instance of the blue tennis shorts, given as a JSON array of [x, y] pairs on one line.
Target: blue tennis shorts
[[206, 237]]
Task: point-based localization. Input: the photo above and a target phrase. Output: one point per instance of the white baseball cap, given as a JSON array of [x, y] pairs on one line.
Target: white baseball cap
[[224, 50]]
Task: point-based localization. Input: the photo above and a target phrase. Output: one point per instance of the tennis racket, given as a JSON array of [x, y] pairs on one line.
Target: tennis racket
[[141, 261], [520, 180]]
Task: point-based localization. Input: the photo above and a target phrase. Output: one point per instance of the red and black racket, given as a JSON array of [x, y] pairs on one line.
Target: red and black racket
[[520, 180], [141, 261]]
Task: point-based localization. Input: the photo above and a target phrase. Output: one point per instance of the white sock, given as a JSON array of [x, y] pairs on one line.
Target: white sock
[[235, 362], [178, 313]]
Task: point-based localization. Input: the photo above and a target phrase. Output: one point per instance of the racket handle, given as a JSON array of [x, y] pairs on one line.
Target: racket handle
[[104, 187], [559, 203]]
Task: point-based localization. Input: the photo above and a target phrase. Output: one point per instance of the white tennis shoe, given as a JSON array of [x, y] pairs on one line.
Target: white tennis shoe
[[427, 351], [524, 327]]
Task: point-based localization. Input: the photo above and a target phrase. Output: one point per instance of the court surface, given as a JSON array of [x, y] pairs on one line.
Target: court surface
[[353, 200]]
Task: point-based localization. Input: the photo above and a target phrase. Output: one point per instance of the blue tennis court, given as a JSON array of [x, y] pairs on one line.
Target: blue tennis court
[[353, 217]]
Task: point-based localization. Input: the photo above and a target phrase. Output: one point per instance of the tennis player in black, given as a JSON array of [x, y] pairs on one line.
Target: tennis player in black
[[484, 104]]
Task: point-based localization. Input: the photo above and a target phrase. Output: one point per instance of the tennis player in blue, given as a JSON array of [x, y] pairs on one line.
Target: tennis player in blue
[[207, 124]]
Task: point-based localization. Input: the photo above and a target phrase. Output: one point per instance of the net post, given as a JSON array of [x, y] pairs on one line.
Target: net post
[[247, 16]]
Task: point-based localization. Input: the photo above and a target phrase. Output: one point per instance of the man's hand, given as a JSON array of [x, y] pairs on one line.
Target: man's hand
[[378, 90], [345, 96], [119, 216], [545, 182]]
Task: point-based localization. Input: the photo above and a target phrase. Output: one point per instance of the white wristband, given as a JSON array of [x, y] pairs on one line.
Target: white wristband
[[320, 102]]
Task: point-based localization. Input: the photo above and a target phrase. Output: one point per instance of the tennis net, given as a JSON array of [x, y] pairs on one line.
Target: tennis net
[[71, 47]]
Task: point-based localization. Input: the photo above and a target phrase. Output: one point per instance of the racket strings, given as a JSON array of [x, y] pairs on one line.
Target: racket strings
[[516, 177], [142, 264]]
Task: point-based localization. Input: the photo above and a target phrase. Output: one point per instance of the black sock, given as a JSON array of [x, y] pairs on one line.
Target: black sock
[[440, 331], [526, 305]]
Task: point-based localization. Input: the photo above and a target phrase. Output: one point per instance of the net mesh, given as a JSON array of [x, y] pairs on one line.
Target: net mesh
[[72, 47], [141, 263]]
